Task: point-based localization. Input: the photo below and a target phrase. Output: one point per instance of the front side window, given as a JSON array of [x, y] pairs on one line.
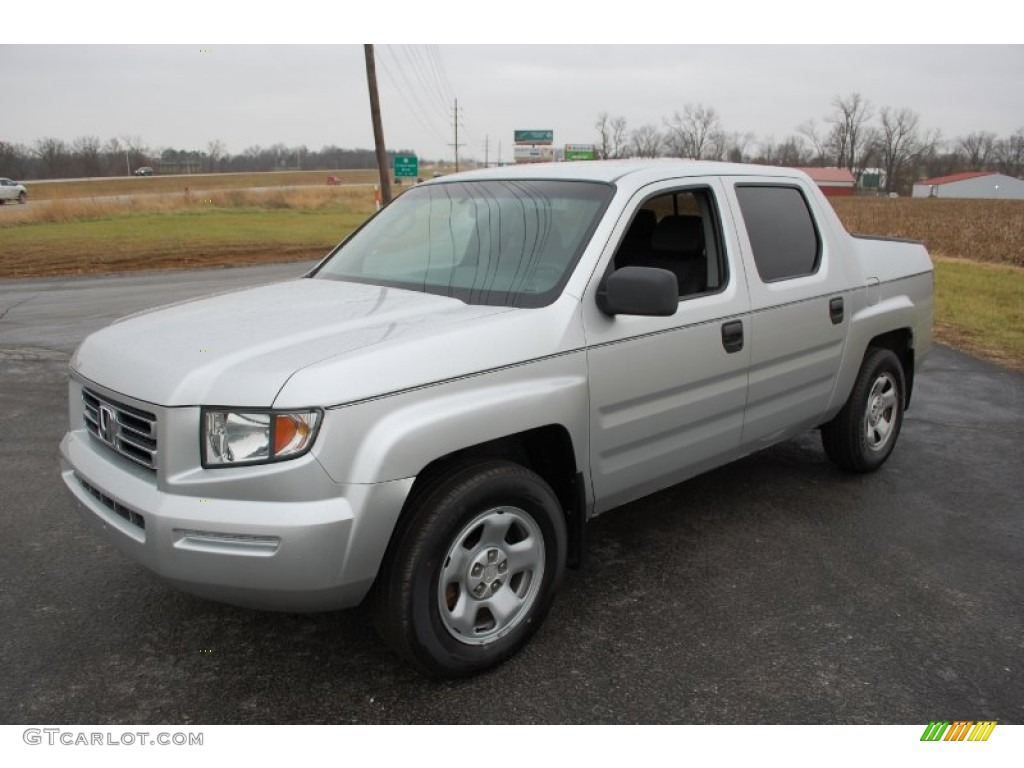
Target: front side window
[[782, 234], [678, 231], [507, 243]]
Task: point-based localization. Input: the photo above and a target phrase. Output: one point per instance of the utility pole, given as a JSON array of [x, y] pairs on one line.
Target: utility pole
[[487, 142], [378, 129], [456, 144]]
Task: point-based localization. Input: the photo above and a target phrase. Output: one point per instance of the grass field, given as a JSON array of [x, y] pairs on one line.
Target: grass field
[[979, 308], [228, 228], [978, 250]]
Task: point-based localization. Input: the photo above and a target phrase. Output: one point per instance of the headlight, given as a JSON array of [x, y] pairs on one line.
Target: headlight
[[231, 438]]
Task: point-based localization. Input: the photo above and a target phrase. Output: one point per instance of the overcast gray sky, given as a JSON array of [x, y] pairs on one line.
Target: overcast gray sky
[[183, 96]]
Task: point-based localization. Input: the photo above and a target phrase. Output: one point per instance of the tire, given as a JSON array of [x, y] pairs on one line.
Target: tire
[[475, 570], [22, 197], [863, 434]]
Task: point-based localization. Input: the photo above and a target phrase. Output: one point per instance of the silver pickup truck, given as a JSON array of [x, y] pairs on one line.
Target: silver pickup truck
[[432, 414]]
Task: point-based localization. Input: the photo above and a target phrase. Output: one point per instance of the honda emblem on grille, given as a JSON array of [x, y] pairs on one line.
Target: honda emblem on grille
[[108, 425]]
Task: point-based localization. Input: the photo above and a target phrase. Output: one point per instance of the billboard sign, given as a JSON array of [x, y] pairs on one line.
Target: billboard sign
[[579, 151], [534, 137], [533, 154]]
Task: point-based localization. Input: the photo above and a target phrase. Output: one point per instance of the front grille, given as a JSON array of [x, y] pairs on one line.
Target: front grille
[[116, 507], [129, 431]]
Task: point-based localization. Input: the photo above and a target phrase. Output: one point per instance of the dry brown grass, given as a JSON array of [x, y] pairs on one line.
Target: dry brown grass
[[87, 209], [978, 250], [979, 230], [166, 232], [88, 188]]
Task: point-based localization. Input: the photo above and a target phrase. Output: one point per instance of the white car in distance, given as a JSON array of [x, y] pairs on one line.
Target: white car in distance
[[12, 190]]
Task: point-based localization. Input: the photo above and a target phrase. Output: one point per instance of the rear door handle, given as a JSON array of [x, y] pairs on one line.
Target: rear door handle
[[732, 336], [835, 310]]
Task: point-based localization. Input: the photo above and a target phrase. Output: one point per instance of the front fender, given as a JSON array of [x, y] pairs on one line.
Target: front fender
[[395, 437]]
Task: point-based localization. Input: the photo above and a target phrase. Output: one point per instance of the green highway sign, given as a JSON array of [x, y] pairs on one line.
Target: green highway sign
[[406, 166], [579, 151], [534, 137]]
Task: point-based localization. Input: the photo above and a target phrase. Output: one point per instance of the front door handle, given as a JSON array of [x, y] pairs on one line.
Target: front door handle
[[732, 336], [835, 310]]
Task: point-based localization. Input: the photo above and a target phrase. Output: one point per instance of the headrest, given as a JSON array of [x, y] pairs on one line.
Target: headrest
[[679, 233]]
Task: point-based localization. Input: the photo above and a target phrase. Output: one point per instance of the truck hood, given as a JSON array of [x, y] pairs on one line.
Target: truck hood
[[241, 348]]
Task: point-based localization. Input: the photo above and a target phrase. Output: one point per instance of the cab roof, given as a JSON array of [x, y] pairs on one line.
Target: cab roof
[[616, 171]]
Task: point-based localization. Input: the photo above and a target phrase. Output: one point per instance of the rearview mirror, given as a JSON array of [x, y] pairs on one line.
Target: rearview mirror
[[639, 291]]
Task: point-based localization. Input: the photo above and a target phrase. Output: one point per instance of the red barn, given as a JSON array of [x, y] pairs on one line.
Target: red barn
[[834, 182]]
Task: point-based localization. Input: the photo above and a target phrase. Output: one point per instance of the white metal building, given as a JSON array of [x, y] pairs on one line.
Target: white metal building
[[977, 184]]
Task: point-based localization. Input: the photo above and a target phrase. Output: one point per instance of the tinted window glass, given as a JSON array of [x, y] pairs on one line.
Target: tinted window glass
[[781, 230], [512, 243], [677, 231]]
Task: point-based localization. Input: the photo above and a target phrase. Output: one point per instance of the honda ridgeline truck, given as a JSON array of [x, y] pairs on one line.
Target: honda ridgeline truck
[[432, 414]]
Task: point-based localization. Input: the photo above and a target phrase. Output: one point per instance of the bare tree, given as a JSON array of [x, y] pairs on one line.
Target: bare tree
[[620, 141], [54, 156], [611, 133], [1010, 154], [86, 151], [604, 138], [15, 159], [976, 149], [646, 141], [137, 152], [901, 146], [818, 141], [696, 133], [215, 149], [792, 152], [849, 136], [736, 146], [113, 157]]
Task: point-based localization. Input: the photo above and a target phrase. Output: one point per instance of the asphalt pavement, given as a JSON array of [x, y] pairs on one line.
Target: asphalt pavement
[[774, 590]]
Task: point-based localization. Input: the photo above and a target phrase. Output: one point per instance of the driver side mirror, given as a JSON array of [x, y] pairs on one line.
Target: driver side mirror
[[644, 291]]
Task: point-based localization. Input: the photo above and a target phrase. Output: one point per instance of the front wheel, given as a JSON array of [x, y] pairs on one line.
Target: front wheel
[[863, 434], [22, 197], [474, 572]]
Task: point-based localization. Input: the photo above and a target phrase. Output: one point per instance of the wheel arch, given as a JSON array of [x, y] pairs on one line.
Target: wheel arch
[[901, 343], [546, 450]]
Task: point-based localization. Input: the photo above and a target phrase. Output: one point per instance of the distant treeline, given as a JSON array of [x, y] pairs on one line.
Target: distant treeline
[[888, 144], [88, 156]]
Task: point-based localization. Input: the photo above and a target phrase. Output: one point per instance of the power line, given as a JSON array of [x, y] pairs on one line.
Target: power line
[[435, 57], [417, 110], [421, 87], [432, 83]]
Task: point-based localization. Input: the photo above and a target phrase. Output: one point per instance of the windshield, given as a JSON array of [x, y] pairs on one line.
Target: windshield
[[508, 243]]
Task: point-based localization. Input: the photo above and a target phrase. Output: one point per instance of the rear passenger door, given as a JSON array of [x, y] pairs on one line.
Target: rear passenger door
[[667, 393], [798, 317]]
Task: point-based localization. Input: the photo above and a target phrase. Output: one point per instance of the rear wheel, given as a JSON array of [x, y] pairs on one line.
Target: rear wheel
[[475, 570], [863, 434]]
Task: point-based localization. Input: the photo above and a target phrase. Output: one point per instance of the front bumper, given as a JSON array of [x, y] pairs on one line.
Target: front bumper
[[310, 545]]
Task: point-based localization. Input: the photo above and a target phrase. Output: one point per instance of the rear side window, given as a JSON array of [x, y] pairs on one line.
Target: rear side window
[[782, 233]]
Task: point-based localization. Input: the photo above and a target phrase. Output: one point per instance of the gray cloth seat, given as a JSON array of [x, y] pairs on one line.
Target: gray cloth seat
[[678, 246]]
